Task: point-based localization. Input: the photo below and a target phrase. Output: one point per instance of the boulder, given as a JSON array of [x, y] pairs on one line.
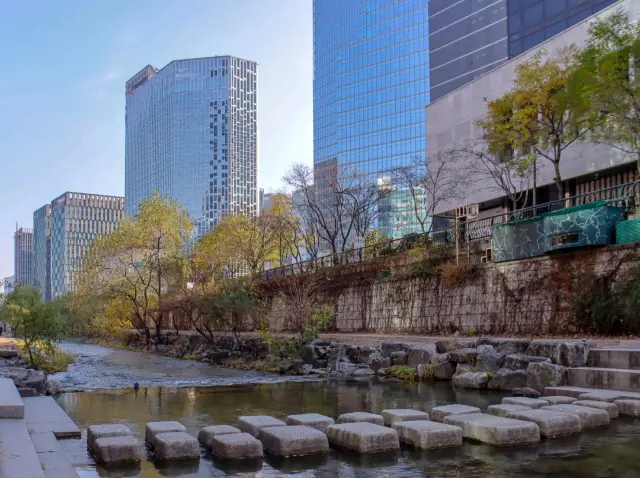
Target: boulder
[[525, 392], [541, 348], [571, 354], [476, 380], [489, 361], [388, 348], [360, 354], [512, 347], [363, 372], [399, 358], [506, 379], [26, 378], [421, 354], [467, 355], [377, 361], [320, 343], [300, 367], [521, 362], [346, 368], [488, 341], [444, 371], [463, 368], [544, 374], [336, 353], [444, 346], [309, 354], [485, 349]]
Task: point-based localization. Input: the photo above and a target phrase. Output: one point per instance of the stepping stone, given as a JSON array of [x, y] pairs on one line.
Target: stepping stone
[[559, 400], [295, 440], [628, 407], [551, 424], [363, 437], [176, 446], [392, 417], [428, 435], [100, 431], [207, 433], [236, 446], [526, 402], [118, 449], [505, 409], [590, 417], [495, 430], [358, 417], [610, 408], [600, 396], [156, 428], [313, 420], [438, 414], [255, 423]]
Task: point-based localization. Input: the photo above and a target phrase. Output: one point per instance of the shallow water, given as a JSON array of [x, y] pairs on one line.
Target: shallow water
[[172, 389], [602, 453]]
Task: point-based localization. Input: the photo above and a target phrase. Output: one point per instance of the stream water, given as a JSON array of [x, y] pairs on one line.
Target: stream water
[[198, 395]]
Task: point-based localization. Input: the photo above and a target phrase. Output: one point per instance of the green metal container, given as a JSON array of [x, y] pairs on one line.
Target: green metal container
[[628, 232]]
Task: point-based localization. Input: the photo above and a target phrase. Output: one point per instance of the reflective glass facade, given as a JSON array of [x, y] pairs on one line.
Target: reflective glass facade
[[371, 84], [23, 256], [191, 134], [533, 21], [469, 38], [42, 251]]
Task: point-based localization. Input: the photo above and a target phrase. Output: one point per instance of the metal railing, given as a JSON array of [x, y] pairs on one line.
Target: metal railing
[[473, 230]]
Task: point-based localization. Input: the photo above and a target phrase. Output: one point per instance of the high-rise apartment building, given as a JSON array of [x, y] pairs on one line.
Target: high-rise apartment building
[[42, 251], [371, 84], [192, 134], [23, 256], [469, 38], [76, 220], [8, 284]]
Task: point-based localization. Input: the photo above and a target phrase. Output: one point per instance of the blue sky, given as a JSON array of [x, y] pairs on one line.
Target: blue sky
[[64, 65]]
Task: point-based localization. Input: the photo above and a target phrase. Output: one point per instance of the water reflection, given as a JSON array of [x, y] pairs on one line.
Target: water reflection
[[603, 452]]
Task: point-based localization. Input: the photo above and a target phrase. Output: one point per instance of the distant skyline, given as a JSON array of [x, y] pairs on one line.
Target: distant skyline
[[62, 82]]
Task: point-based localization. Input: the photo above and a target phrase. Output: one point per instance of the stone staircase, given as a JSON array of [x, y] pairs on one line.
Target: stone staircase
[[29, 433], [609, 369]]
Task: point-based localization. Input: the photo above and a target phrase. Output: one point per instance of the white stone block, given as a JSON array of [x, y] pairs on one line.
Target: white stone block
[[438, 414], [109, 430], [495, 430], [590, 417], [176, 446], [207, 433], [428, 435], [236, 446], [359, 417], [392, 417], [610, 408], [295, 440], [504, 410], [155, 428], [118, 449], [313, 420], [551, 423], [363, 437], [628, 407], [255, 423], [559, 400], [526, 402]]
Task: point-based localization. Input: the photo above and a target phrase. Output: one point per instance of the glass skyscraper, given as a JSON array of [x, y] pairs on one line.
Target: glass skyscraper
[[192, 134], [23, 256], [371, 85], [42, 251]]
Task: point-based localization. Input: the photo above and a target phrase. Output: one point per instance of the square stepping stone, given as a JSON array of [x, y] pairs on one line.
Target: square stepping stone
[[363, 437], [525, 401], [428, 435], [111, 430], [313, 420], [176, 446], [610, 408], [551, 423], [392, 417], [494, 430], [361, 417], [255, 423], [628, 407], [236, 446], [438, 414], [118, 449], [590, 417], [559, 400], [155, 428], [600, 396], [505, 409], [207, 433], [295, 440]]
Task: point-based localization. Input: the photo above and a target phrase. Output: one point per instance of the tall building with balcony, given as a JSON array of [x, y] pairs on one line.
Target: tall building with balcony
[[42, 251], [469, 38], [192, 134], [370, 87], [23, 256], [76, 220]]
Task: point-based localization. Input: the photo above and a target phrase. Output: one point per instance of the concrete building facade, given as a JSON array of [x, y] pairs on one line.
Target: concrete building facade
[[452, 124], [23, 256]]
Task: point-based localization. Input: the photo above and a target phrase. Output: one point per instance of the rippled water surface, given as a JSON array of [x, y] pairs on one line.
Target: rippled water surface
[[598, 453]]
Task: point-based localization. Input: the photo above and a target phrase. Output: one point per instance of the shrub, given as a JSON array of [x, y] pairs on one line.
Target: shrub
[[402, 372]]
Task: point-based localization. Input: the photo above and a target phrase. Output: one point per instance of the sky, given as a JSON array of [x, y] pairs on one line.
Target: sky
[[64, 64]]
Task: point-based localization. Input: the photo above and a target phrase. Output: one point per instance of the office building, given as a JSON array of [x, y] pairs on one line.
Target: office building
[[585, 167], [42, 251], [371, 84], [8, 284], [76, 219], [23, 256], [402, 211], [469, 38], [192, 135]]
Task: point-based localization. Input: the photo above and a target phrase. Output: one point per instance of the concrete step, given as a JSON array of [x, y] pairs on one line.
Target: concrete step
[[11, 405], [605, 378], [575, 392], [615, 358], [43, 415], [18, 457]]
